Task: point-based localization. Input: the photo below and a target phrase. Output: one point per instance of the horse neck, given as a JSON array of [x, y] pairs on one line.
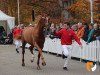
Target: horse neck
[[40, 28]]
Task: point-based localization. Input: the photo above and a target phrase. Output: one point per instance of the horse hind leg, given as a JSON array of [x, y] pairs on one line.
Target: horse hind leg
[[31, 50], [23, 52], [38, 61]]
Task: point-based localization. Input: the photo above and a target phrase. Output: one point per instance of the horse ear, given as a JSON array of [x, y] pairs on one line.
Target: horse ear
[[33, 18]]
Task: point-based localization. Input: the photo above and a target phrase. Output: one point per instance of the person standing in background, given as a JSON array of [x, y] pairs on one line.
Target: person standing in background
[[80, 32], [91, 30], [86, 32], [96, 32]]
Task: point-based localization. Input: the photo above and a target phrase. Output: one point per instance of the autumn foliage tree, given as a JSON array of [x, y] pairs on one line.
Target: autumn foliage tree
[[81, 10], [49, 7], [12, 10]]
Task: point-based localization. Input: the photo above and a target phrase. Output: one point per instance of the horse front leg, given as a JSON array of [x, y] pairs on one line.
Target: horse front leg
[[42, 58], [23, 52]]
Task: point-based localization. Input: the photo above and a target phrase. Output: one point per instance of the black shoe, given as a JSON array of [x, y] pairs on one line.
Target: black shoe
[[63, 56], [65, 68], [17, 51]]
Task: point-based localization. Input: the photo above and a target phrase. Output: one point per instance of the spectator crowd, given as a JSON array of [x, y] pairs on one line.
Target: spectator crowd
[[87, 32]]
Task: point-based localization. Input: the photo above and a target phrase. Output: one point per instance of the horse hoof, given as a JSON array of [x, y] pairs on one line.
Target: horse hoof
[[38, 68], [23, 65], [44, 64], [32, 61]]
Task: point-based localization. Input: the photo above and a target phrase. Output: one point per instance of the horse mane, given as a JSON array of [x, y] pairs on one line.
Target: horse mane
[[41, 22], [37, 19]]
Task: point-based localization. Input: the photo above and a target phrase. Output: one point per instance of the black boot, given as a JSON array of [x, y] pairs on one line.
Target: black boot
[[63, 56], [17, 50], [65, 68]]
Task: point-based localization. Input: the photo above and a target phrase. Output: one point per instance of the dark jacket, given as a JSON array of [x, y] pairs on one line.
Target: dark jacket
[[85, 36], [96, 33]]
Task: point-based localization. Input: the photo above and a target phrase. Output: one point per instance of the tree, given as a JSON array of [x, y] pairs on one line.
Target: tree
[[49, 7], [81, 10]]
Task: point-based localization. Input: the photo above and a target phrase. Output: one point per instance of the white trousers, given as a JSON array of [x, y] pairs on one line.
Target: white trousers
[[17, 43], [67, 49]]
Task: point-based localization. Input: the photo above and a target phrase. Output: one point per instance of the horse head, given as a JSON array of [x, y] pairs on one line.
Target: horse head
[[43, 21]]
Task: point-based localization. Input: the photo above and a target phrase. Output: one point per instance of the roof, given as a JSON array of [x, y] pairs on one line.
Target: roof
[[3, 16]]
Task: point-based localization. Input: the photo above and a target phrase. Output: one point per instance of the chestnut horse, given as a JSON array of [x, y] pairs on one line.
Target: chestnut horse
[[35, 37]]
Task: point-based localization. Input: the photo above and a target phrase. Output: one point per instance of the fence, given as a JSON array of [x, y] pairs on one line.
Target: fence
[[88, 52]]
